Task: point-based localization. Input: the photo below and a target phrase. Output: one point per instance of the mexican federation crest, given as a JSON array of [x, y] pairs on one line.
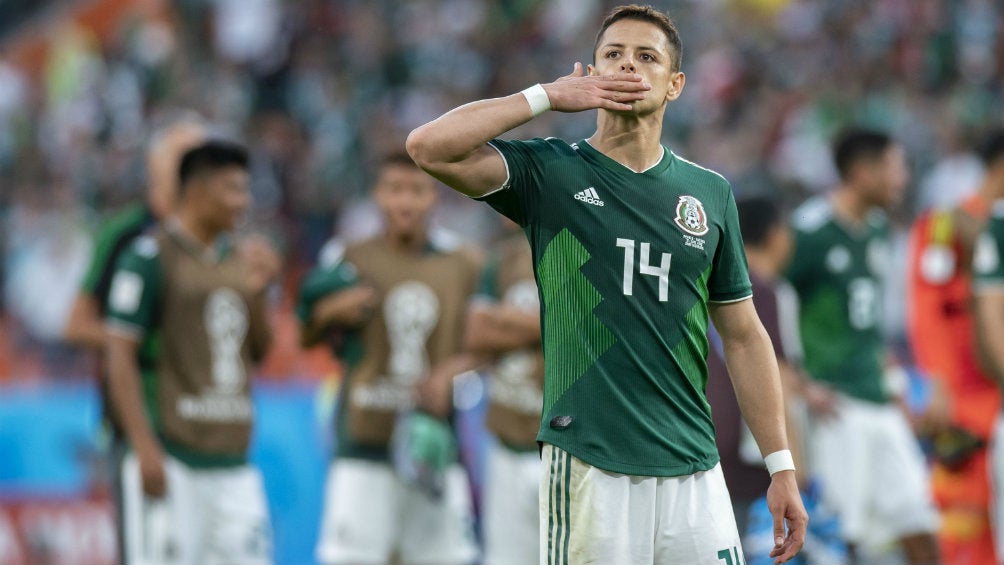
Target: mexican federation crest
[[690, 216]]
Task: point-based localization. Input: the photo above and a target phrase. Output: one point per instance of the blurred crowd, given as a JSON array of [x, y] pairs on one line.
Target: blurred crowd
[[320, 89]]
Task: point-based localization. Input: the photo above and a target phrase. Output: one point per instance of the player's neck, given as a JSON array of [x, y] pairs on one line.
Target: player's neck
[[849, 206], [406, 242], [195, 230], [632, 141]]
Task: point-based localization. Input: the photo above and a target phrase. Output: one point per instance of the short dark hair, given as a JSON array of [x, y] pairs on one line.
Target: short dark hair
[[211, 156], [758, 215], [991, 149], [397, 158], [645, 14], [856, 145]]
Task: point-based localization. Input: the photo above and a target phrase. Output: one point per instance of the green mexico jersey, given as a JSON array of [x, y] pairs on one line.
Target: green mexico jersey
[[626, 264], [988, 268], [836, 271]]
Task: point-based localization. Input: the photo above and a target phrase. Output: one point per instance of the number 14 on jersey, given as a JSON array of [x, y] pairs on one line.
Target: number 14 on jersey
[[644, 267]]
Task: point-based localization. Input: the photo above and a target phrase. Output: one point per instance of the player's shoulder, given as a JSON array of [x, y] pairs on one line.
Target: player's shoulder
[[146, 247], [124, 223], [709, 177], [448, 242], [812, 215], [538, 146]]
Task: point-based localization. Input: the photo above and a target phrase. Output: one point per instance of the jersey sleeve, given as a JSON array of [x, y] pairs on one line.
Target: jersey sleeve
[[988, 269], [730, 279], [136, 291], [518, 197]]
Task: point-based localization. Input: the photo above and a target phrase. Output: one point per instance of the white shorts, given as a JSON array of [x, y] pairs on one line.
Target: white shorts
[[996, 470], [511, 508], [588, 515], [370, 515], [213, 516], [872, 473]]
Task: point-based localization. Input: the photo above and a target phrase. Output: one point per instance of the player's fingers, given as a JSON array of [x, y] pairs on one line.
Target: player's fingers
[[577, 70], [612, 105], [778, 528]]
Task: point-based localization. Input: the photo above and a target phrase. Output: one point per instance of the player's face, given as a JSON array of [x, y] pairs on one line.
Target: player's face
[[163, 164], [634, 46], [226, 198], [889, 177], [406, 196]]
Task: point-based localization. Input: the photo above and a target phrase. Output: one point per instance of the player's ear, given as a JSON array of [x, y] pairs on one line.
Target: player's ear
[[676, 82], [590, 70]]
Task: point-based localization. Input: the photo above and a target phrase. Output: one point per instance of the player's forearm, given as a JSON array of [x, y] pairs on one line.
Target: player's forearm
[[990, 332], [127, 400], [754, 372], [499, 330], [83, 326], [458, 134]]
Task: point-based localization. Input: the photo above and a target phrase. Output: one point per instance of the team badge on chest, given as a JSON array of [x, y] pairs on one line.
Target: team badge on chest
[[690, 216]]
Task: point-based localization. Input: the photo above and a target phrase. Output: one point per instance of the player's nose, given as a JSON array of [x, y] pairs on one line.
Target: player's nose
[[627, 65]]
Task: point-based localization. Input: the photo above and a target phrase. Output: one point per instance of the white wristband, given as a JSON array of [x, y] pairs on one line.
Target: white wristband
[[779, 461], [536, 96]]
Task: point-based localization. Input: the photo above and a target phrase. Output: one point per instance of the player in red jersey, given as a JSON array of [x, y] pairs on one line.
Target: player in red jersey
[[941, 332]]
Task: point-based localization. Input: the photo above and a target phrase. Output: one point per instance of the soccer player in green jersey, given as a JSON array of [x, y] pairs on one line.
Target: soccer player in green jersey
[[85, 326], [633, 248], [186, 322], [988, 290], [869, 465]]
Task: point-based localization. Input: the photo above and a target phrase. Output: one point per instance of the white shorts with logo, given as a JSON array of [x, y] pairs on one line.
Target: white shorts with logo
[[215, 516], [371, 515], [511, 508], [872, 472], [588, 515]]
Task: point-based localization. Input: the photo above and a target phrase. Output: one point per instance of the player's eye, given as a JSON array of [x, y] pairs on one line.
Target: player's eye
[[612, 54], [647, 57]]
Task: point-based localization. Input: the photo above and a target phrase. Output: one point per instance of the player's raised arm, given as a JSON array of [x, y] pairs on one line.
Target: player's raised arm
[[754, 373], [453, 147]]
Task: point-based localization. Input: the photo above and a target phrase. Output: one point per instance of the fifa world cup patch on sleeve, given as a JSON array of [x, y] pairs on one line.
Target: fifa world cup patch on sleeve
[[126, 291]]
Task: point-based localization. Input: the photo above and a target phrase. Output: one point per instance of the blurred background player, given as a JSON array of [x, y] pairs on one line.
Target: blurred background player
[[85, 325], [399, 301], [768, 243], [504, 324], [988, 294], [186, 322], [965, 399], [870, 467]]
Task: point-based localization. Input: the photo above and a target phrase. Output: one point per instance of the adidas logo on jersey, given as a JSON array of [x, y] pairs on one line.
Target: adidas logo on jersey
[[589, 196]]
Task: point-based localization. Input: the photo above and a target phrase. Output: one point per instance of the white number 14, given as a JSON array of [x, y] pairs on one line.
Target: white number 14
[[662, 271]]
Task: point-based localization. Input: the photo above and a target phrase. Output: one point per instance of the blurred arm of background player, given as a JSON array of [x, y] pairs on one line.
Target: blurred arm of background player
[[989, 310], [753, 370], [343, 309], [493, 329], [263, 264], [84, 326], [124, 377]]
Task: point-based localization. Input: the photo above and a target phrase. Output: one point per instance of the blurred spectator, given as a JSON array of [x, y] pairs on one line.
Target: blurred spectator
[[320, 87]]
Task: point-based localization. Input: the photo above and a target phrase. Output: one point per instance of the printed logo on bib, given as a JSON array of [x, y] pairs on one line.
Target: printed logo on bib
[[411, 312], [690, 216]]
